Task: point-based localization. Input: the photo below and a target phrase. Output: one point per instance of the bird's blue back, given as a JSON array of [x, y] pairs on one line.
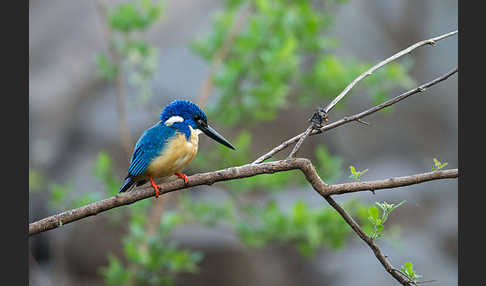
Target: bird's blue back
[[152, 141]]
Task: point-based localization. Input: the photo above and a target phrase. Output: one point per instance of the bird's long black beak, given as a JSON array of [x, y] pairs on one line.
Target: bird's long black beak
[[208, 130]]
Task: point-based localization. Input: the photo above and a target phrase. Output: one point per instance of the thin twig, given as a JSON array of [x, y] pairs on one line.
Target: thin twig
[[355, 117], [367, 73], [357, 229], [299, 143]]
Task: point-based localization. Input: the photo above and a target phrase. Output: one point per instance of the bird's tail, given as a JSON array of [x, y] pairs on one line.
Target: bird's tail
[[129, 181]]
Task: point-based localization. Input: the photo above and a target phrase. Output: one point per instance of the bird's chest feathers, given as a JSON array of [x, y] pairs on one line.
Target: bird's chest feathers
[[177, 153]]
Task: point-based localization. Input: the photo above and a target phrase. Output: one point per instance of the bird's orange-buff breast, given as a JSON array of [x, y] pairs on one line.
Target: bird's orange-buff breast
[[177, 154]]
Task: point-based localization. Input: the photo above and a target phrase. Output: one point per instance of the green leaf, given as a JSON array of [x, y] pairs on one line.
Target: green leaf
[[374, 213], [438, 165]]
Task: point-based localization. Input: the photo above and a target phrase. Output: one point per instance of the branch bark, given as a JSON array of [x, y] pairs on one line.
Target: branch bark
[[233, 173]]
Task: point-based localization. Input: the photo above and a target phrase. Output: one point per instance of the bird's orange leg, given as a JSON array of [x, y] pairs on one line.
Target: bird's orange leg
[[156, 188], [182, 176]]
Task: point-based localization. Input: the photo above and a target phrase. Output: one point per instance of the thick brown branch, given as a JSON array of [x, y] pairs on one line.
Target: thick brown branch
[[232, 173]]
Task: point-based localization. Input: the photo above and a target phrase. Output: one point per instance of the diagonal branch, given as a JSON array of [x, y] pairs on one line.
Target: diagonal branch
[[356, 228], [355, 117], [367, 73], [233, 173]]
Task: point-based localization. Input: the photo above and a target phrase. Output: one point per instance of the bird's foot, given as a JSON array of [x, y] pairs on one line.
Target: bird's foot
[[155, 186], [182, 176]]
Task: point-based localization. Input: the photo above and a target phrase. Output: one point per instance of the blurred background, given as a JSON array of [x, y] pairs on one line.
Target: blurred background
[[100, 72]]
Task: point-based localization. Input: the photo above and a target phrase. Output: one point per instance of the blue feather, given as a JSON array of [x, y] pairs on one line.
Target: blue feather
[[150, 144]]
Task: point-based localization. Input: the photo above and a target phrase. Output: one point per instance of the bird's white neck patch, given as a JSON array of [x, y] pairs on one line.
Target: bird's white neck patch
[[172, 120]]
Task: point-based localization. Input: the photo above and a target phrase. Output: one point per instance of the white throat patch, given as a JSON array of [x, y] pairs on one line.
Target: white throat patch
[[172, 120]]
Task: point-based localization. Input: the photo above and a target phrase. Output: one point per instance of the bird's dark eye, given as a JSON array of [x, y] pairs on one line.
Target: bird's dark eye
[[199, 120]]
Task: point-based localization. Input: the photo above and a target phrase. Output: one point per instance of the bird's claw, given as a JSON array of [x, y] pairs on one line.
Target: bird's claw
[[182, 176], [156, 187]]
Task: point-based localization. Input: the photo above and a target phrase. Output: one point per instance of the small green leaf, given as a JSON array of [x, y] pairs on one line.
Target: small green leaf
[[438, 165], [373, 212], [356, 175]]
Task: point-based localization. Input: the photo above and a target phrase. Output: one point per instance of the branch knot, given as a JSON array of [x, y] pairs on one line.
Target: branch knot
[[319, 118]]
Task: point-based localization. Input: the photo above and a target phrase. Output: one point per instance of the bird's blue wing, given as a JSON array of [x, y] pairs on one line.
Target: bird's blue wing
[[152, 141]]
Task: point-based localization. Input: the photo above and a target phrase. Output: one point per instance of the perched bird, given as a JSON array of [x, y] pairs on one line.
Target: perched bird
[[166, 148]]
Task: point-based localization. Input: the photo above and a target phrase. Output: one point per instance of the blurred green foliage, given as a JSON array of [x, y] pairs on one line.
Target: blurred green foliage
[[129, 54], [132, 16], [305, 228], [154, 258], [282, 54], [283, 49]]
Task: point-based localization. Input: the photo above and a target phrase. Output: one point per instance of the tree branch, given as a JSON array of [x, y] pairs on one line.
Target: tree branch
[[382, 258], [355, 117], [232, 173], [367, 73]]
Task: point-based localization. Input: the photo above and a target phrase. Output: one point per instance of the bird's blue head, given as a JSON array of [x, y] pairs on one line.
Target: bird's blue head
[[181, 114]]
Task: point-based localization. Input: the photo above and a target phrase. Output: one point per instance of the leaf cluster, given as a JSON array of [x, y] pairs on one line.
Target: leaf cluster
[[378, 221], [407, 269], [356, 175], [438, 165]]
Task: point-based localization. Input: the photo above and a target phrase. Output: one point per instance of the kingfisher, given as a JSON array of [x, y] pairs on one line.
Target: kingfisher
[[166, 148]]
